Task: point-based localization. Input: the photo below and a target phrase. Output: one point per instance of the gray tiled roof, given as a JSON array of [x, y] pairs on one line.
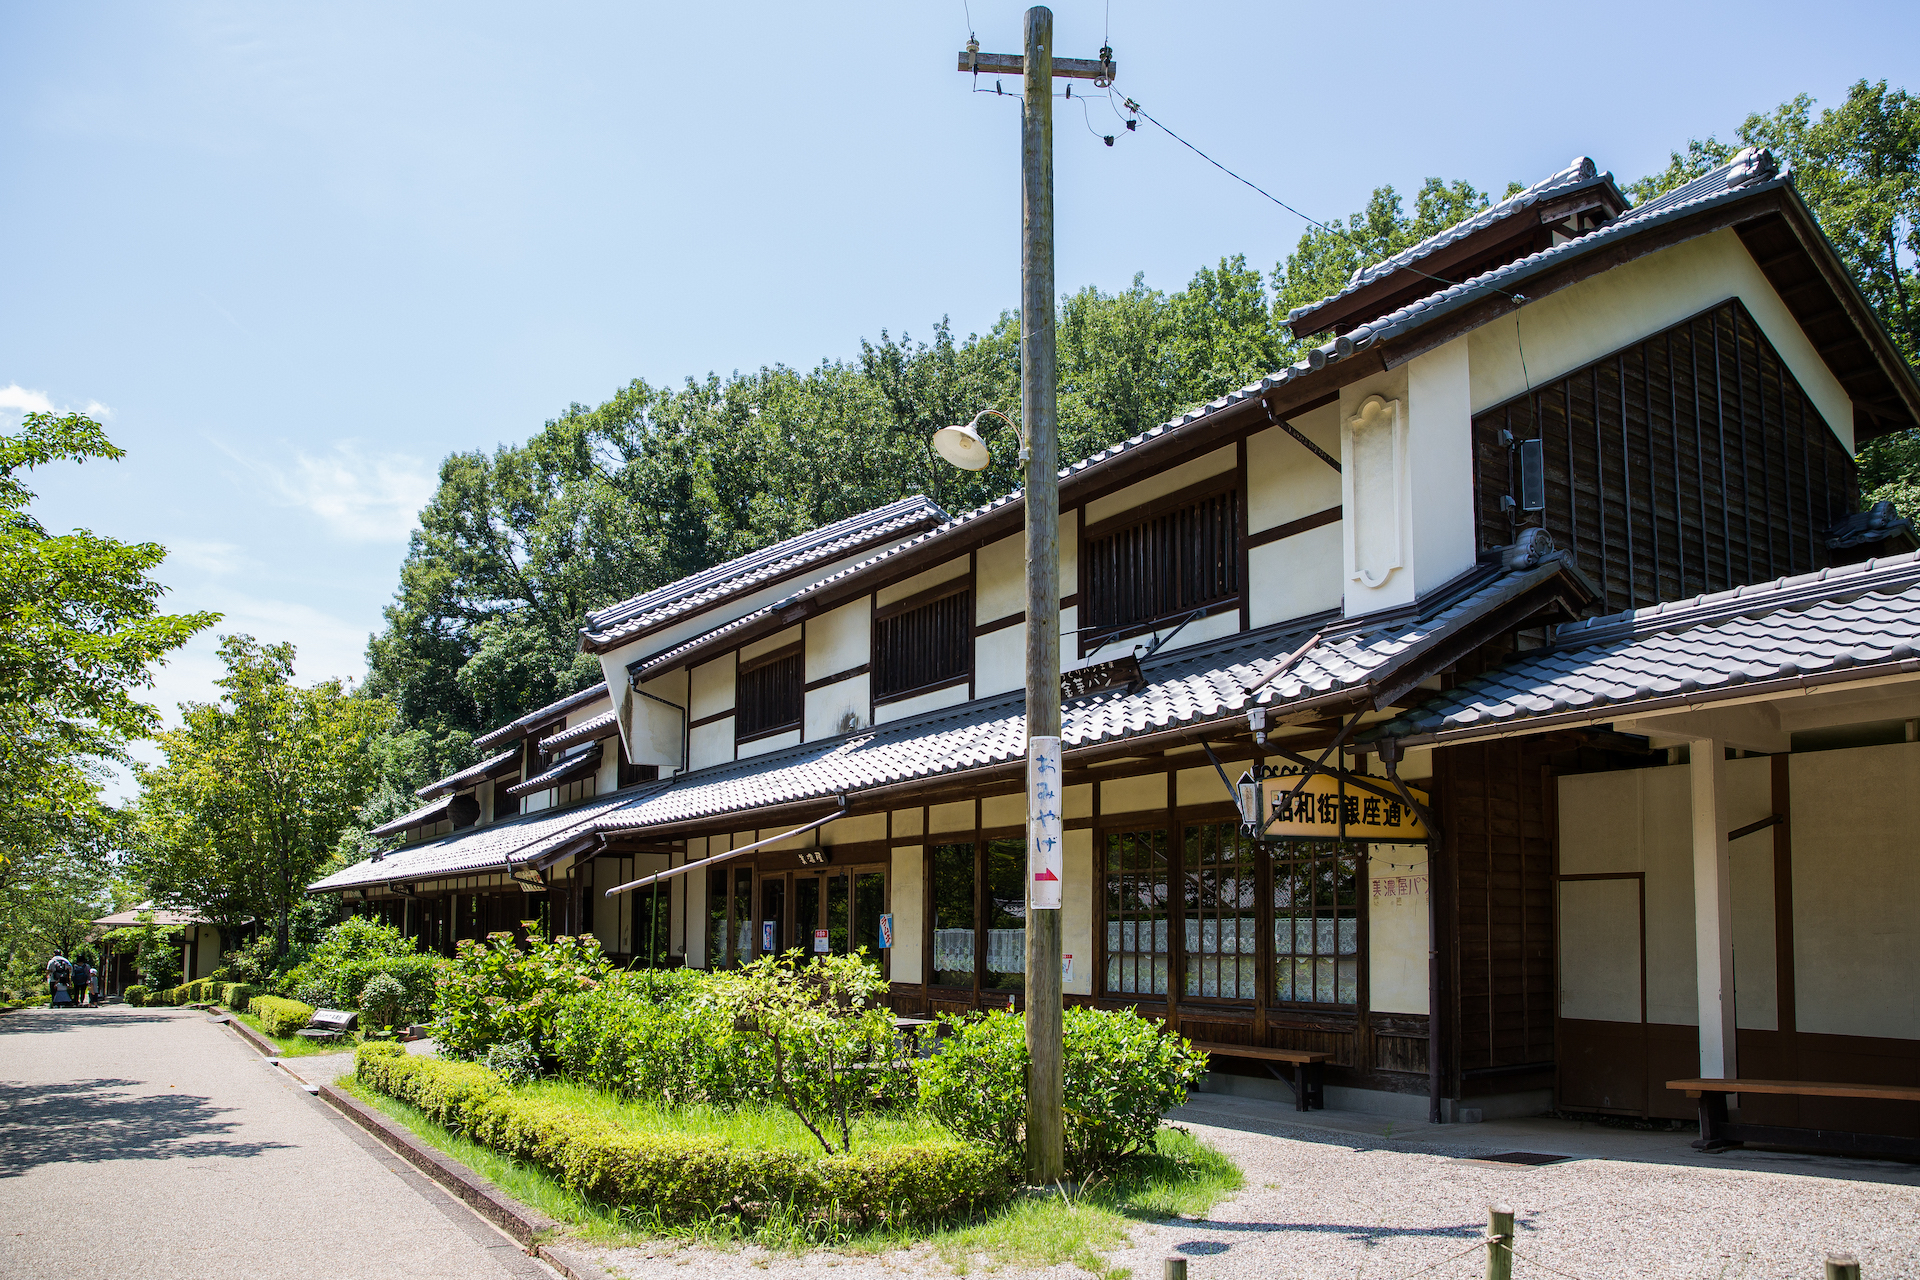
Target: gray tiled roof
[[429, 812], [1735, 643], [471, 776], [600, 726], [516, 841], [1580, 173], [1208, 682], [533, 719], [709, 587], [571, 767]]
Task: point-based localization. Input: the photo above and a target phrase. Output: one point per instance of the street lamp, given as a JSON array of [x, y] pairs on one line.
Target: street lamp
[[964, 447]]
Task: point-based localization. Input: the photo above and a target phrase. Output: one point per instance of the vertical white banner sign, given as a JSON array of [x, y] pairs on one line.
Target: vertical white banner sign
[[1046, 859]]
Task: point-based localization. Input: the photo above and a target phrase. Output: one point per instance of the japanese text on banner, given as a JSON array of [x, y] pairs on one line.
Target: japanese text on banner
[[1045, 851]]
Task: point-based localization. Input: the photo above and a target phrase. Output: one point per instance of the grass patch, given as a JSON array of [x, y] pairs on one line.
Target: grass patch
[[1183, 1177], [293, 1046]]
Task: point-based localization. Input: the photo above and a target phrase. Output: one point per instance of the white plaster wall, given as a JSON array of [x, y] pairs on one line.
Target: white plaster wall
[[1600, 950], [769, 644], [947, 572], [901, 708], [760, 746], [1079, 801], [1296, 576], [1284, 481], [1000, 579], [655, 737], [1639, 820], [1603, 313], [713, 685], [1000, 660], [1076, 911], [863, 828], [1440, 455], [840, 640], [1122, 795], [1856, 891], [1375, 494], [828, 708], [907, 822], [957, 816], [712, 743], [907, 890], [580, 715], [1396, 928], [1171, 480], [1004, 810]]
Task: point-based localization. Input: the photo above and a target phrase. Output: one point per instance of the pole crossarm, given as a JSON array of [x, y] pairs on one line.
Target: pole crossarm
[[1014, 64]]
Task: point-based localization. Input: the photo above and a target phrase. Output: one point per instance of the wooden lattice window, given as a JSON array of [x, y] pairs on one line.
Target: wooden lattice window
[[770, 693], [1137, 913], [1316, 921], [1169, 557], [922, 643], [1221, 895]]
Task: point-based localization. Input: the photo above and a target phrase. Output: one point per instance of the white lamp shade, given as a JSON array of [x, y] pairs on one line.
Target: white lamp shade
[[963, 447]]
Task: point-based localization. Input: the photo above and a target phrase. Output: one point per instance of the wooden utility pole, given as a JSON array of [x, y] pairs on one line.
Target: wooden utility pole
[[1046, 1159]]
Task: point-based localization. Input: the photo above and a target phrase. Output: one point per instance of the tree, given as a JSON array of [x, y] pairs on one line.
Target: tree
[[80, 632], [256, 789]]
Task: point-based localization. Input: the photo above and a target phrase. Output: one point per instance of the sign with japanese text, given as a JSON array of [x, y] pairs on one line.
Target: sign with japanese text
[[766, 934], [886, 929], [1100, 677], [821, 942], [1046, 860], [1319, 809]]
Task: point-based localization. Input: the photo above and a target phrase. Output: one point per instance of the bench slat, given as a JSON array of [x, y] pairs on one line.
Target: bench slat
[[1800, 1088], [1256, 1051]]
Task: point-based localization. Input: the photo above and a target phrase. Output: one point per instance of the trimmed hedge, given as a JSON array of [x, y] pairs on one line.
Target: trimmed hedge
[[280, 1017], [182, 993], [235, 995], [677, 1178], [136, 995]]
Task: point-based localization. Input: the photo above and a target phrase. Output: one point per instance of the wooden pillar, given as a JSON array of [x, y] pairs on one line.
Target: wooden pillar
[[1712, 908]]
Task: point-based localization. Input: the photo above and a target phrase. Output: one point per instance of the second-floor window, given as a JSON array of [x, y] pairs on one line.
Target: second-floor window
[[1171, 557], [922, 645], [770, 693]]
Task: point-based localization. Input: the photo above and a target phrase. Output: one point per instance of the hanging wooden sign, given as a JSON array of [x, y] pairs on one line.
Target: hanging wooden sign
[[1100, 677], [1319, 808]]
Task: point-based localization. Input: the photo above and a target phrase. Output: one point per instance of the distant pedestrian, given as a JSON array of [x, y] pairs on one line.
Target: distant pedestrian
[[82, 973], [60, 980], [95, 974]]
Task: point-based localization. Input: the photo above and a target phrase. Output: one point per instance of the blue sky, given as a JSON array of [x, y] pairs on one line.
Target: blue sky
[[295, 255]]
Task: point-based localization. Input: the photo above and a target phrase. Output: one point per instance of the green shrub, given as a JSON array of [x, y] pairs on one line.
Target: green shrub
[[674, 1178], [1123, 1075], [183, 993], [353, 939], [616, 1037], [136, 995], [382, 998], [496, 991], [280, 1017], [235, 995], [417, 975]]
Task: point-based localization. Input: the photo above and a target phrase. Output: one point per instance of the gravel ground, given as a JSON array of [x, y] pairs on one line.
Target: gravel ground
[[1344, 1196]]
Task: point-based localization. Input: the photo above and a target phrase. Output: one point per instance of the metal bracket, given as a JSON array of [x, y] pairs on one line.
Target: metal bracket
[[1296, 433]]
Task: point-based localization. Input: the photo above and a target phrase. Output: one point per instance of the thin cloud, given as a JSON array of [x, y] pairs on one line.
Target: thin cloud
[[361, 497], [218, 558], [18, 398]]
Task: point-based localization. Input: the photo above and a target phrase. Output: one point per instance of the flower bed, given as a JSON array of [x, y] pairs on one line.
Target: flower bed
[[679, 1178]]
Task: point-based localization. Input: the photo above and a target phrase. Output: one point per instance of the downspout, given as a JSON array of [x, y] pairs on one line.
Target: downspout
[[686, 729], [1390, 757]]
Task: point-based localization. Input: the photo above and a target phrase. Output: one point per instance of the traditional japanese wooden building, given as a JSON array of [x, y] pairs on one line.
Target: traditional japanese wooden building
[[1455, 589]]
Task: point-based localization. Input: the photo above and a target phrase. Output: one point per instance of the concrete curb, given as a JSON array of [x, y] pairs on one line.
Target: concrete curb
[[253, 1037], [517, 1220]]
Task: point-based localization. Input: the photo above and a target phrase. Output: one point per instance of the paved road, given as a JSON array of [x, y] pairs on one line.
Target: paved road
[[152, 1144]]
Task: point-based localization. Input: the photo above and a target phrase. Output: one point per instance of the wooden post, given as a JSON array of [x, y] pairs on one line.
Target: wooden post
[[1843, 1266], [1175, 1268], [1046, 1086], [1712, 908], [1499, 1242]]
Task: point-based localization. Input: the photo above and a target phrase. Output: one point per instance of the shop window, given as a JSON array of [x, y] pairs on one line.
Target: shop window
[[1221, 891], [770, 694], [1006, 914], [922, 647], [729, 917], [1136, 913], [1316, 922], [1172, 558], [953, 915]]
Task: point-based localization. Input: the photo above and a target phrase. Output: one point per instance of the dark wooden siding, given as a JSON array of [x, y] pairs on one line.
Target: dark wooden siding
[[1689, 462], [1165, 564], [924, 646], [769, 694]]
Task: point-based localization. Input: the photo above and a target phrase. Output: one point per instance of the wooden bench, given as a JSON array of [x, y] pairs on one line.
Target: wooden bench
[[1309, 1094], [1717, 1132]]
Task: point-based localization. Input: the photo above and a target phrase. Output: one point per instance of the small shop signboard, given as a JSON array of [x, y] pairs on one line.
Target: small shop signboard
[[1319, 807], [821, 945], [886, 930]]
